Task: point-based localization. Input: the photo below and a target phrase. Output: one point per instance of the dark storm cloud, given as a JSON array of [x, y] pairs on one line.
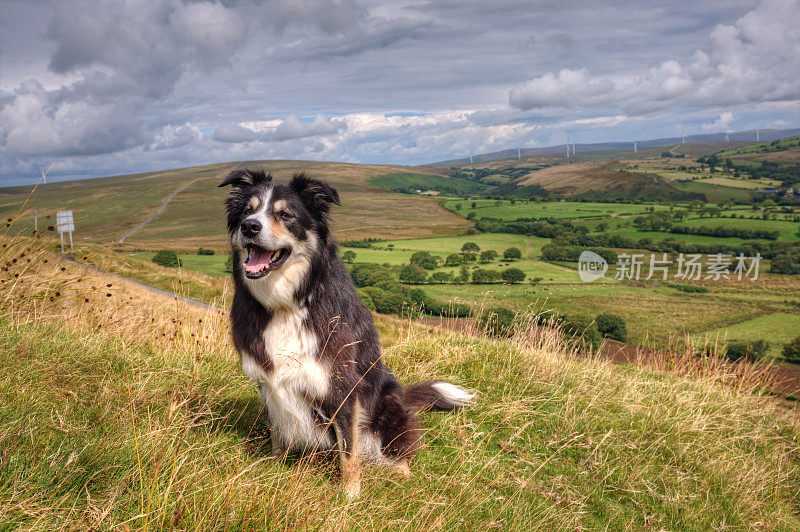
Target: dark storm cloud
[[107, 87]]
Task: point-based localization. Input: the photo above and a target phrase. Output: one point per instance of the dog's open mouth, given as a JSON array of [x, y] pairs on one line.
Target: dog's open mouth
[[261, 261]]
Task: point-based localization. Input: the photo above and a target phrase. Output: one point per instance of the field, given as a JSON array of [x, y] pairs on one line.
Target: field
[[106, 209], [715, 193], [143, 420], [505, 210]]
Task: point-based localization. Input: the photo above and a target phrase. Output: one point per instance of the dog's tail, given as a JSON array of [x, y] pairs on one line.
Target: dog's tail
[[437, 395]]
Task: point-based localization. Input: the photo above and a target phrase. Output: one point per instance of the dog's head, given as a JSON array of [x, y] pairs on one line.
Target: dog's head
[[276, 227]]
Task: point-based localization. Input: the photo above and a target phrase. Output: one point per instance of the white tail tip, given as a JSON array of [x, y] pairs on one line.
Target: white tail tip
[[455, 394]]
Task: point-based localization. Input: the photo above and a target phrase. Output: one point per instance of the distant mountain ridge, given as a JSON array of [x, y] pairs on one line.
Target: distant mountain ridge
[[764, 135]]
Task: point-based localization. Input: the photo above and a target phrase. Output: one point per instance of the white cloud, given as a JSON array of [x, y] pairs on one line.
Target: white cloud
[[722, 123], [752, 60]]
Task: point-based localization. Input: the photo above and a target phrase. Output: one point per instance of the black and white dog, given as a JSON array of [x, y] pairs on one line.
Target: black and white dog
[[306, 338]]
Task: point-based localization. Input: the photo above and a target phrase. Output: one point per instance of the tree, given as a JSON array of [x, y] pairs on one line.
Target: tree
[[412, 274], [463, 275], [612, 326], [488, 256], [349, 256], [480, 276], [602, 227], [512, 254], [203, 251], [474, 205], [470, 247], [513, 275], [470, 257], [167, 258], [536, 280], [441, 277], [458, 206], [454, 259], [425, 260], [791, 351]]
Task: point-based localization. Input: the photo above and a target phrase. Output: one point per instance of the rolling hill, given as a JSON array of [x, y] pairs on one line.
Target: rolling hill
[[107, 209]]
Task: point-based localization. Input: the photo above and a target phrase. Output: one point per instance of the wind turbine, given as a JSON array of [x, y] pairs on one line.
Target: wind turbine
[[635, 147], [757, 135], [683, 136], [519, 154]]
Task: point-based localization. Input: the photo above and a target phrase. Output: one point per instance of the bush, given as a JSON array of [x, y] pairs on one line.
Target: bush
[[583, 332], [349, 256], [746, 350], [203, 251], [513, 275], [612, 326], [413, 274], [690, 289], [365, 297], [167, 258], [512, 254], [791, 351], [497, 321]]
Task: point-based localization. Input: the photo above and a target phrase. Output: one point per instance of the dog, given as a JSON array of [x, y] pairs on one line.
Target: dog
[[306, 338]]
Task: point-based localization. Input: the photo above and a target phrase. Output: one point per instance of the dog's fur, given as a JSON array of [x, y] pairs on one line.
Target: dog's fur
[[306, 338]]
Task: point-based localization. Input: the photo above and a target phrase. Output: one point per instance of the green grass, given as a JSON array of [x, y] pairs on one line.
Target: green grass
[[715, 193], [782, 144], [788, 230], [105, 422], [213, 265], [504, 210], [778, 329], [407, 180]]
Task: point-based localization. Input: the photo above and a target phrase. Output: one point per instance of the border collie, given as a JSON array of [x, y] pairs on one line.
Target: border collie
[[307, 340]]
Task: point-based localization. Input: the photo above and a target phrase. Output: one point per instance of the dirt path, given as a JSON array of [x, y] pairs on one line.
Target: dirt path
[[164, 206]]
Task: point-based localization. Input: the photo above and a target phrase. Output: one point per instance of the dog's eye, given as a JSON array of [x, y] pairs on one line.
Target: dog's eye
[[285, 216], [248, 210]]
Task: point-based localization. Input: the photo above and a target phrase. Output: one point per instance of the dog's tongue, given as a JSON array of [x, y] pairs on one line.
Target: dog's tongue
[[258, 259]]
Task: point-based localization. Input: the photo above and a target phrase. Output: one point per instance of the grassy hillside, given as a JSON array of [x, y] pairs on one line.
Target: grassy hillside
[[106, 209], [123, 410]]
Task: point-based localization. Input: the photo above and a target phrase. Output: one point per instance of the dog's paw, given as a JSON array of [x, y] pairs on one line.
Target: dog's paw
[[402, 469], [352, 489]]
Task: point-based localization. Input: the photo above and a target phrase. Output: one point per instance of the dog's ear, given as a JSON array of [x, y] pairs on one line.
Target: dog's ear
[[243, 177], [315, 193]]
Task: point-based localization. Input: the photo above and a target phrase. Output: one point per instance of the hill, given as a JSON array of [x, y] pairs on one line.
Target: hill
[[619, 149], [107, 209], [121, 408]]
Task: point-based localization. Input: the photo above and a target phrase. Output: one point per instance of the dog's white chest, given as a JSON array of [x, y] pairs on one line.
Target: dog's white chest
[[297, 378]]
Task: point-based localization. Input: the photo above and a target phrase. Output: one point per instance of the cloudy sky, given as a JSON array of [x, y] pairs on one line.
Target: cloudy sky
[[98, 88]]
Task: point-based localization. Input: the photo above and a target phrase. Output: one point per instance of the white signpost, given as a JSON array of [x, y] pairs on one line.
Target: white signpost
[[65, 224]]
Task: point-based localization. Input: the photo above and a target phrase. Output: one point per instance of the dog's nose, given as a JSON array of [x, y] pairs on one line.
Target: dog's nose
[[251, 227]]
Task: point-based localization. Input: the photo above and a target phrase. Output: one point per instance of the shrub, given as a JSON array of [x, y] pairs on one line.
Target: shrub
[[513, 275], [229, 264], [167, 258], [746, 350], [349, 256], [497, 321], [612, 326], [583, 332], [413, 274], [203, 251], [512, 254], [690, 289], [365, 297], [791, 351]]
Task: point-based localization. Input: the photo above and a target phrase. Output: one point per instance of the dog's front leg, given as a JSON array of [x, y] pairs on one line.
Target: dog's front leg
[[346, 425]]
